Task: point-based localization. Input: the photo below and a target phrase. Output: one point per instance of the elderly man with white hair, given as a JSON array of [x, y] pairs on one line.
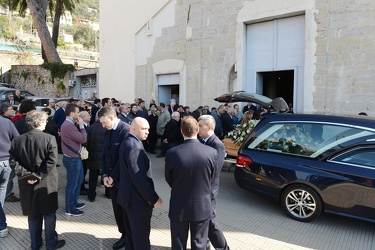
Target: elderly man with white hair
[[206, 132], [51, 105], [172, 134], [17, 97]]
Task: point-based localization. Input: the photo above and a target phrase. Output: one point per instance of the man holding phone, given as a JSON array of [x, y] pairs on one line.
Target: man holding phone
[[72, 139]]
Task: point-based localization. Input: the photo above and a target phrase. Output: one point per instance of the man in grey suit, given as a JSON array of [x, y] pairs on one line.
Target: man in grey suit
[[208, 137], [190, 176]]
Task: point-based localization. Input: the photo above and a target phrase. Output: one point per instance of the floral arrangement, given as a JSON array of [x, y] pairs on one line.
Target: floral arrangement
[[290, 139], [240, 132]]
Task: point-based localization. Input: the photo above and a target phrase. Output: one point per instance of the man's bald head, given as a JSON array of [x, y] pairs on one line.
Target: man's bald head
[[139, 128]]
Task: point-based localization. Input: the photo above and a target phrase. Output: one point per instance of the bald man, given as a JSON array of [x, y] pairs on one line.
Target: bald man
[[136, 192]]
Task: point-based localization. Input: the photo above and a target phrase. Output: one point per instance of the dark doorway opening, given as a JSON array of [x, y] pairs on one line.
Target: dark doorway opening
[[168, 92], [278, 84]]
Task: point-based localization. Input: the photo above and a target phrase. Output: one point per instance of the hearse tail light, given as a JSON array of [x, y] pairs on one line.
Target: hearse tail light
[[243, 161]]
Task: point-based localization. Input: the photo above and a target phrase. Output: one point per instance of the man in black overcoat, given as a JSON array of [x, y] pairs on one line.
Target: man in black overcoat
[[172, 134], [190, 171], [117, 131], [136, 192], [152, 136], [94, 109], [95, 146]]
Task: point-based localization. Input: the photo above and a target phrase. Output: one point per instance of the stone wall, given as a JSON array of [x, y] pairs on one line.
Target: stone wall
[[204, 37], [208, 51], [345, 66], [22, 61], [38, 81]]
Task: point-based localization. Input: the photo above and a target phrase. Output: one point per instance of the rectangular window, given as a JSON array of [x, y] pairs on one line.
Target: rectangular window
[[308, 139], [364, 157]]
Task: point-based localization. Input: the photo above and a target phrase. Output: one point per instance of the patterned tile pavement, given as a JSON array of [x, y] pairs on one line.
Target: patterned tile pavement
[[248, 221]]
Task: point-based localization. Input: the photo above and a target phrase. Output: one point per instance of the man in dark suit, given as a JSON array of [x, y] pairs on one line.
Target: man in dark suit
[[94, 109], [60, 116], [117, 131], [11, 100], [190, 176], [17, 96], [172, 134], [219, 132], [208, 137], [248, 107], [136, 193], [152, 136], [227, 122], [124, 111], [39, 199]]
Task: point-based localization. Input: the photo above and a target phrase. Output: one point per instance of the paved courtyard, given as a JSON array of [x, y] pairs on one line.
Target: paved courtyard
[[248, 221]]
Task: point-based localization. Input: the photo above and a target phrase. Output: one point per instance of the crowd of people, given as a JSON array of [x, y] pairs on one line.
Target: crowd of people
[[118, 136]]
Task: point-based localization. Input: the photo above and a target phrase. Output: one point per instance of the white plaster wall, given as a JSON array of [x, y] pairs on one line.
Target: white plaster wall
[[119, 22], [146, 36]]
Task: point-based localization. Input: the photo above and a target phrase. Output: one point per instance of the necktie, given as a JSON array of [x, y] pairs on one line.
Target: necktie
[[202, 140]]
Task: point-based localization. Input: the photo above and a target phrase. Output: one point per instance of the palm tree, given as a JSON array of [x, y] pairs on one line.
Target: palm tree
[[60, 7]]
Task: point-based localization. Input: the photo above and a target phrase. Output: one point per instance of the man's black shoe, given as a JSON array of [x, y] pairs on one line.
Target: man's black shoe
[[152, 152], [119, 244], [160, 156], [91, 199], [58, 245], [13, 198]]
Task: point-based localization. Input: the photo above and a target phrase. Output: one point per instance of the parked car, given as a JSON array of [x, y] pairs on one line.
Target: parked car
[[311, 163], [87, 104], [7, 85], [41, 101], [4, 92]]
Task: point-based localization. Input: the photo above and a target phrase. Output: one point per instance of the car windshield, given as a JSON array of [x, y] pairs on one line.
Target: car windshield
[[309, 139]]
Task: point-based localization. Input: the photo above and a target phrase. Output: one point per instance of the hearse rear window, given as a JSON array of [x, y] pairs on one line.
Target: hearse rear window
[[308, 139]]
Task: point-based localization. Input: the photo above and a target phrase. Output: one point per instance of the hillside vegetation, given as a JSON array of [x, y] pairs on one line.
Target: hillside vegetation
[[81, 10]]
